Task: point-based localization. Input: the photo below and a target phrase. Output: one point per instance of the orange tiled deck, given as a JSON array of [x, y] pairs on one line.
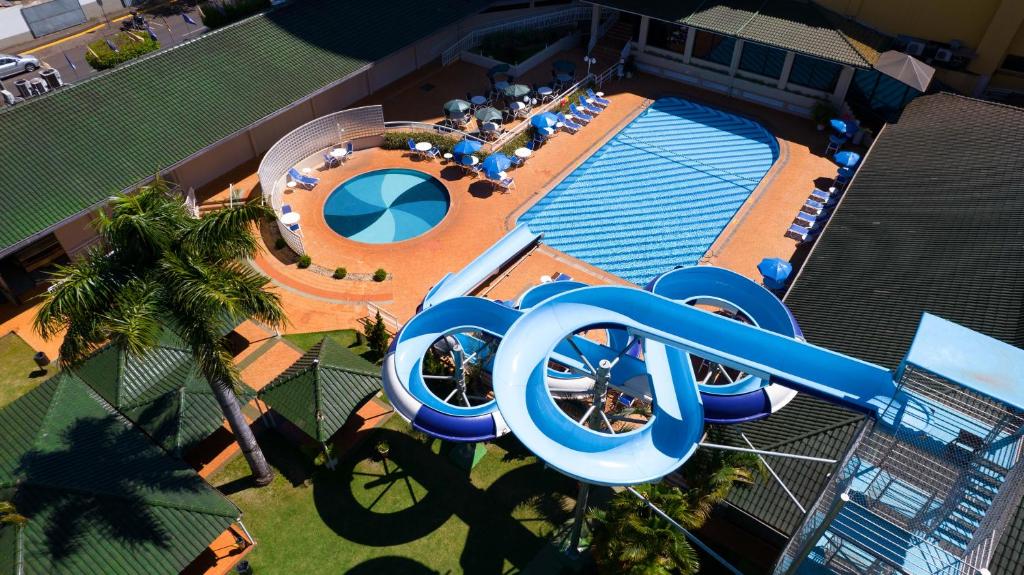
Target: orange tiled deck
[[479, 214]]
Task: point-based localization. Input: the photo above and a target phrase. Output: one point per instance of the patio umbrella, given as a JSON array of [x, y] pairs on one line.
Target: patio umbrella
[[498, 69], [564, 66], [466, 147], [906, 69], [488, 115], [847, 159], [517, 91], [496, 163], [545, 120], [775, 269], [456, 107], [838, 125]]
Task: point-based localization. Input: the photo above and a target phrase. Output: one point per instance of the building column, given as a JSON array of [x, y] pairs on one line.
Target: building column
[[691, 35], [787, 67], [1005, 23], [645, 22], [736, 52], [842, 86], [595, 23]]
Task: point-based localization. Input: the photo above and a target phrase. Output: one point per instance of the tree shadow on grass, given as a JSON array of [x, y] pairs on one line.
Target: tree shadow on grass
[[391, 564]]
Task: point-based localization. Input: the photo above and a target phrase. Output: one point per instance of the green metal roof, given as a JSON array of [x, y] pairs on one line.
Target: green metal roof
[[163, 392], [794, 25], [322, 389], [82, 144], [98, 495]]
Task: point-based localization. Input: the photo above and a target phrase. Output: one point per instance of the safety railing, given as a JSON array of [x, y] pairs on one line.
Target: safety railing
[[390, 319], [409, 126], [565, 17]]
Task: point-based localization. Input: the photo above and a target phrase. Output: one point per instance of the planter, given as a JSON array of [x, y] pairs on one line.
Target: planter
[[527, 64]]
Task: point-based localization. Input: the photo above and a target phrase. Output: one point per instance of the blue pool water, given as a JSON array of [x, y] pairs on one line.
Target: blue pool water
[[659, 193], [386, 206]]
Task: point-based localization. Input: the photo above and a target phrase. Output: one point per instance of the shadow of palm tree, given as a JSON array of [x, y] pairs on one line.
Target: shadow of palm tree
[[391, 564]]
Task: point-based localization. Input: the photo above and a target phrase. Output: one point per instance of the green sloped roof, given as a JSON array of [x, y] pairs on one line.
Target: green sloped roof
[[795, 25], [322, 389], [163, 392], [78, 146], [98, 495]]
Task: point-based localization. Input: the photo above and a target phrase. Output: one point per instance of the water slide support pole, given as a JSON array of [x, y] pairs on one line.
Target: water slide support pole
[[580, 516], [602, 377], [763, 452]]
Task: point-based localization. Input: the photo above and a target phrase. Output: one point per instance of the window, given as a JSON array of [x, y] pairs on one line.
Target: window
[[713, 47], [814, 73], [1013, 63], [667, 36], [762, 60]]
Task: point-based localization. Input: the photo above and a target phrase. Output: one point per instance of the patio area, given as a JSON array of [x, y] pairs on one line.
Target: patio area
[[480, 213]]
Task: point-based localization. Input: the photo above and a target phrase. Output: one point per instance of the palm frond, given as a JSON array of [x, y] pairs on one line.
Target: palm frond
[[227, 233]]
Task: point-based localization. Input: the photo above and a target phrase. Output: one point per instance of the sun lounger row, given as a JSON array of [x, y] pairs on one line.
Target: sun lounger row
[[813, 215]]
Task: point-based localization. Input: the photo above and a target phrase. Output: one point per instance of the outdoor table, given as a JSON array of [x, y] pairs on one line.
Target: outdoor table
[[544, 92], [424, 146], [447, 156], [307, 170], [564, 78], [599, 94], [523, 153], [501, 85], [478, 100], [339, 153], [558, 125], [291, 183], [290, 219], [516, 106]]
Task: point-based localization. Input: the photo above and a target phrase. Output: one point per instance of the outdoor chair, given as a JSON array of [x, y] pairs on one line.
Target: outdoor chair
[[581, 116], [506, 184], [592, 97], [843, 176], [812, 207], [810, 221], [800, 233], [349, 149], [294, 228], [834, 143], [331, 162], [567, 124], [824, 196], [589, 107], [286, 209], [412, 146], [309, 182]]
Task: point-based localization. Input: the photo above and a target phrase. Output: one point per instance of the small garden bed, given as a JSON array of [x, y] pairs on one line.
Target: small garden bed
[[130, 45], [515, 47]]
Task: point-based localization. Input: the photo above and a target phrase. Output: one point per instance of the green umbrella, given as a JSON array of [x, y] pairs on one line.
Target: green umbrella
[[498, 69], [564, 66], [517, 91], [456, 107], [488, 115]]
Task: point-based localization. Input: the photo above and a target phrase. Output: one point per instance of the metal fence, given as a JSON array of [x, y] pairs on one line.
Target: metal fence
[[565, 17], [928, 490], [409, 126], [301, 148]]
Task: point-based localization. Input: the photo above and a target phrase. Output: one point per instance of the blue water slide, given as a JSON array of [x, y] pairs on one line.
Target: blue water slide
[[482, 267], [748, 398], [673, 433]]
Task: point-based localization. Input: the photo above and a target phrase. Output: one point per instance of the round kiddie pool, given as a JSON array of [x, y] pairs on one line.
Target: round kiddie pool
[[385, 206]]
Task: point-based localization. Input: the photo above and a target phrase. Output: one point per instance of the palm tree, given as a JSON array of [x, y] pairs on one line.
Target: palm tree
[[629, 537], [162, 269], [712, 473]]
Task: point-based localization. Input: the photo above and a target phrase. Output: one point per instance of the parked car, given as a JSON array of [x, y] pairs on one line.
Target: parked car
[[12, 64]]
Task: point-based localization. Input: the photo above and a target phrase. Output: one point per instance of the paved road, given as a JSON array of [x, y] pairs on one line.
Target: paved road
[[171, 30]]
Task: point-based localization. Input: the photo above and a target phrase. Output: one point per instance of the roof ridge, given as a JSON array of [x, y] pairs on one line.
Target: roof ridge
[[842, 33], [350, 370], [809, 434], [755, 14]]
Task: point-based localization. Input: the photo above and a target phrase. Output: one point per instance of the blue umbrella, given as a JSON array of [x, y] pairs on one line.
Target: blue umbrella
[[775, 269], [847, 159], [496, 163], [466, 147], [838, 125], [545, 120]]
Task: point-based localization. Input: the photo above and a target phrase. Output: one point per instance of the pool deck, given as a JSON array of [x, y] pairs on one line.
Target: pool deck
[[479, 215]]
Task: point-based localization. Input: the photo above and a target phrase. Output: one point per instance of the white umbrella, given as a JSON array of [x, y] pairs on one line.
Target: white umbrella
[[906, 69]]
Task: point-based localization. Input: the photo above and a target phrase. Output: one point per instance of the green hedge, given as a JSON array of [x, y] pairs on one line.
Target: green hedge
[[217, 14], [444, 142], [129, 46]]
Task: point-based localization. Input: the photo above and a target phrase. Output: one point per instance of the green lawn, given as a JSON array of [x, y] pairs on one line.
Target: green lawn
[[346, 337], [18, 373], [415, 513]]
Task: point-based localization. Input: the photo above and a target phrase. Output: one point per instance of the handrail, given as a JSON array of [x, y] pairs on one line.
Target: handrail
[[389, 318], [519, 128], [424, 127], [552, 19]]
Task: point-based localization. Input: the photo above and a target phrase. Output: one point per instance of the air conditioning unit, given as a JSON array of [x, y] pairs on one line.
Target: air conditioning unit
[[52, 78], [943, 55], [914, 48], [39, 86]]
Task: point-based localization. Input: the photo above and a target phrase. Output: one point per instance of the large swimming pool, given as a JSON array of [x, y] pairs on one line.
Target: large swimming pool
[[659, 193], [386, 206]]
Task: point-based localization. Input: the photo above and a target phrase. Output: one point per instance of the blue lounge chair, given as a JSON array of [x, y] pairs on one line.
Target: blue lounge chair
[[811, 221], [581, 116], [812, 207], [306, 181], [823, 196], [330, 161], [800, 233], [506, 184], [590, 108], [349, 149], [286, 209], [568, 124], [597, 99], [294, 228]]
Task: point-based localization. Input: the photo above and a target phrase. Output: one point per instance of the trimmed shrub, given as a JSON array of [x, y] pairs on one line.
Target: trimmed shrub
[[279, 244], [305, 261], [216, 13], [400, 140], [380, 275], [340, 273], [129, 46]]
